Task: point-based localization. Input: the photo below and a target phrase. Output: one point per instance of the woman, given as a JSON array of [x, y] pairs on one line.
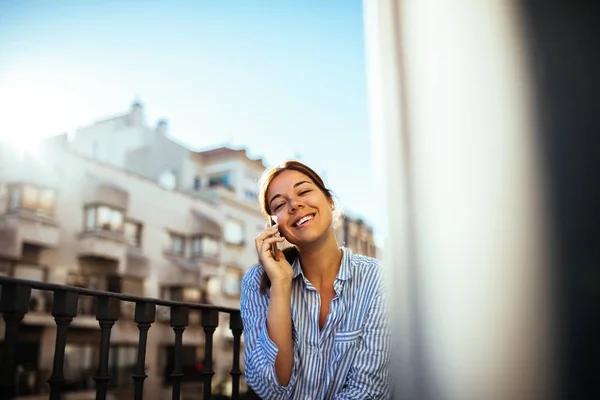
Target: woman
[[315, 325]]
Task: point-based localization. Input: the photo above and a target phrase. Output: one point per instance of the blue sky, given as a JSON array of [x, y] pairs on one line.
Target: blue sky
[[281, 78]]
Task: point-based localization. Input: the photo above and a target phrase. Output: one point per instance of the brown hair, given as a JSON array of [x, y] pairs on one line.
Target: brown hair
[[290, 253]]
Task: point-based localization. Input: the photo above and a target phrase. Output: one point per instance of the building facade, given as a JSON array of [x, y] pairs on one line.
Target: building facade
[[122, 207], [357, 235]]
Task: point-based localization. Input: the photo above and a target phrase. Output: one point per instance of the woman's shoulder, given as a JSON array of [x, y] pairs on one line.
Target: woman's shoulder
[[359, 261], [365, 268]]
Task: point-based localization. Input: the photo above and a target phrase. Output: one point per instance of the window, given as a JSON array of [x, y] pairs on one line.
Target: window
[[205, 246], [232, 282], [250, 195], [122, 359], [221, 179], [234, 231], [176, 244], [33, 273], [104, 218], [79, 361], [197, 183], [32, 198], [4, 268], [133, 233], [191, 363], [191, 294]]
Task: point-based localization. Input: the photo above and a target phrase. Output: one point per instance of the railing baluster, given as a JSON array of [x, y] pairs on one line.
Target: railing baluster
[[179, 320], [144, 317], [64, 308], [235, 323], [210, 321], [14, 304], [108, 310]]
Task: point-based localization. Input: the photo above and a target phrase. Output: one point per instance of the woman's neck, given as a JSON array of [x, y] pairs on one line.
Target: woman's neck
[[321, 261]]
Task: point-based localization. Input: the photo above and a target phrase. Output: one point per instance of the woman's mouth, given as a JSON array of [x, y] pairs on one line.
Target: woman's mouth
[[302, 222]]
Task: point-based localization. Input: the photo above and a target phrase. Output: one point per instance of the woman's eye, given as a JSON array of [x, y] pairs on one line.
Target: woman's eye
[[278, 206], [304, 192]]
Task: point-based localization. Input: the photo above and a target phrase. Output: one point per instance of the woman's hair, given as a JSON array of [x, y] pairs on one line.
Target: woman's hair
[[292, 165]]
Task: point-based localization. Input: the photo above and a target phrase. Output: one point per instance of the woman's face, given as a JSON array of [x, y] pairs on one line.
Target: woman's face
[[303, 211]]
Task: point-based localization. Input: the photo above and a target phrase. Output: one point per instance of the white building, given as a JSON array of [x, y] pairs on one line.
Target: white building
[[123, 207], [181, 229]]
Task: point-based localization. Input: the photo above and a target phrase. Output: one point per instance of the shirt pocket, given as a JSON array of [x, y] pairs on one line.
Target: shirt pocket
[[345, 348]]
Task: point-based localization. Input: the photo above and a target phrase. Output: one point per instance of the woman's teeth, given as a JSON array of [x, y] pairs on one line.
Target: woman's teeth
[[303, 220]]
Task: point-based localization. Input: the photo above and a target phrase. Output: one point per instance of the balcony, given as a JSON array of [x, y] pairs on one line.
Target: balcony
[[29, 219], [26, 227], [137, 262], [15, 300], [103, 244]]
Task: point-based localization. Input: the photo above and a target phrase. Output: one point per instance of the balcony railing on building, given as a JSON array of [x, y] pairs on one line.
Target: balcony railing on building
[[18, 297]]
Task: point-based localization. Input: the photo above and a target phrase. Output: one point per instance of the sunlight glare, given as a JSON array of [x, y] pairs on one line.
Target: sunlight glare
[[35, 108]]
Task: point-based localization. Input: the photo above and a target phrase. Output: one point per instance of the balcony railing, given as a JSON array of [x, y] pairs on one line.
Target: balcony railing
[[15, 303]]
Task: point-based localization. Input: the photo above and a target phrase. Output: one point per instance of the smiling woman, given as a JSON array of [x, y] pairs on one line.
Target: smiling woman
[[315, 313]]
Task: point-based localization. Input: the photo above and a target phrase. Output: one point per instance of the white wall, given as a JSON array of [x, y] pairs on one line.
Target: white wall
[[451, 127]]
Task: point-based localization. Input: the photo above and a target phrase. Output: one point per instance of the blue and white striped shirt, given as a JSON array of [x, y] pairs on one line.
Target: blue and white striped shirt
[[348, 359]]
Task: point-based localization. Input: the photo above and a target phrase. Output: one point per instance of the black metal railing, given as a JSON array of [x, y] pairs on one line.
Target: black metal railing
[[15, 303]]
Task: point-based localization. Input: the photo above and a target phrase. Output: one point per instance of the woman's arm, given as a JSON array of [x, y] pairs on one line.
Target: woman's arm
[[279, 327], [269, 351]]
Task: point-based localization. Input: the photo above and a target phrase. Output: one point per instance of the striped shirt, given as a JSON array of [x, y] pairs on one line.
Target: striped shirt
[[347, 359]]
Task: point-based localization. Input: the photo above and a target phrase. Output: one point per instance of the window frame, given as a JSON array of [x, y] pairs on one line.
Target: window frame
[[195, 254], [171, 249], [137, 241], [242, 225], [17, 199], [229, 272], [95, 207]]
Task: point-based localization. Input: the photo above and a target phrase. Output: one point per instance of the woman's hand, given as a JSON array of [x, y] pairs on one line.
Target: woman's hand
[[278, 271]]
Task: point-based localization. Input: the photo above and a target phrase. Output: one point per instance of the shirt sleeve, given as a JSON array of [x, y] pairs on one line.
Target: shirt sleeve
[[368, 377], [259, 350]]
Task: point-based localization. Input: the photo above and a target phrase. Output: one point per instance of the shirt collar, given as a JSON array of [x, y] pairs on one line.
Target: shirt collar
[[344, 273]]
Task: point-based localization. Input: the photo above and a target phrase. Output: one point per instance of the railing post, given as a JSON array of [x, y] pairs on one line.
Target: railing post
[[108, 310], [210, 321], [179, 320], [64, 308], [235, 324], [144, 317], [14, 304]]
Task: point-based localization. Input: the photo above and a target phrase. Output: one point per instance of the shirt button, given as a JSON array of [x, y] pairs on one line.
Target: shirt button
[[315, 350]]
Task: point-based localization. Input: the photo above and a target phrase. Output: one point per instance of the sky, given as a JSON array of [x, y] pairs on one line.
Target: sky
[[284, 79]]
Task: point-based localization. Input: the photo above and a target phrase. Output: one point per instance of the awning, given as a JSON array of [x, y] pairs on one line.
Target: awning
[[205, 225]]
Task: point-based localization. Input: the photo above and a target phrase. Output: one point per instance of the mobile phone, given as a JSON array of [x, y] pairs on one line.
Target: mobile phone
[[273, 245]]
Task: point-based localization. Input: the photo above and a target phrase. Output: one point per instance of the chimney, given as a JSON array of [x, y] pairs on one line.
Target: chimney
[[161, 127], [136, 116]]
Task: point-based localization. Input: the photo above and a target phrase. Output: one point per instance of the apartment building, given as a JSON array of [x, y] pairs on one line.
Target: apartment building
[[357, 235], [70, 219], [223, 176], [123, 207]]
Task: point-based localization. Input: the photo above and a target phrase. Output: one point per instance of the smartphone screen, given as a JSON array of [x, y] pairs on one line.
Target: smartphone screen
[[274, 245]]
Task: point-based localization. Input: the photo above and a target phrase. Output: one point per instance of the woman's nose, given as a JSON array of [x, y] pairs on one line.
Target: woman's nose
[[295, 205]]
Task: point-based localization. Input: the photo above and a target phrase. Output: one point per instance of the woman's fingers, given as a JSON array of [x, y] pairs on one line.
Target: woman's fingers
[[266, 244], [270, 231], [265, 249]]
